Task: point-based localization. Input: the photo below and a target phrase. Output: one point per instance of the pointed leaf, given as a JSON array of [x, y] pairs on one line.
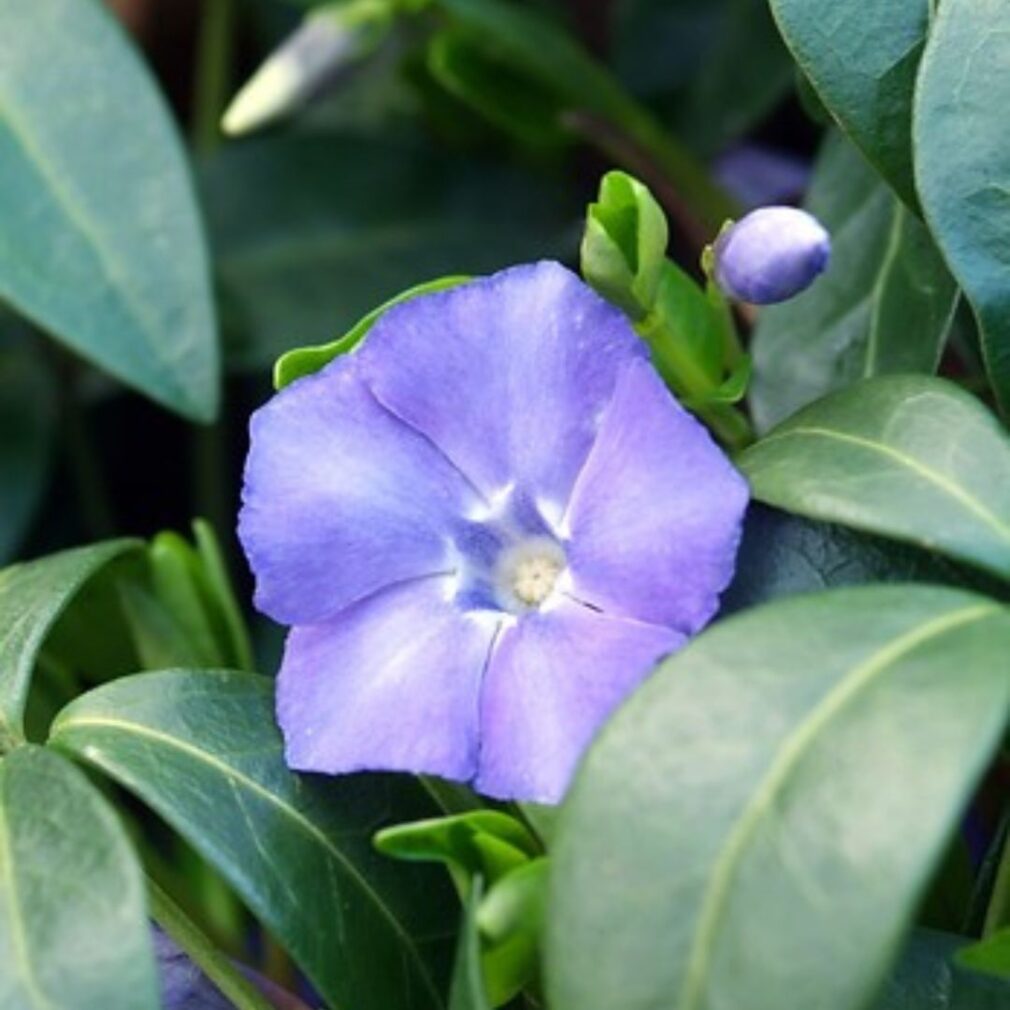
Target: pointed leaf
[[32, 597], [861, 57], [757, 825], [912, 458], [202, 749], [100, 243], [73, 917]]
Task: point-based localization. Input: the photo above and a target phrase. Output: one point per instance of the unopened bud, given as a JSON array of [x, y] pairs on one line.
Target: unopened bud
[[770, 255], [328, 40]]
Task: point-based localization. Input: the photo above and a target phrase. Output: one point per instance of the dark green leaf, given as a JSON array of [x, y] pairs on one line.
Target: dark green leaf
[[883, 306], [963, 163], [917, 459], [807, 759], [73, 918], [100, 243], [32, 597], [202, 749], [352, 221], [27, 428], [784, 555], [861, 56]]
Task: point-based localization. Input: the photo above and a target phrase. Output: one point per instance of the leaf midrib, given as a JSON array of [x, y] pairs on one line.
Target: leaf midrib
[[295, 815], [933, 476], [75, 213], [787, 759]]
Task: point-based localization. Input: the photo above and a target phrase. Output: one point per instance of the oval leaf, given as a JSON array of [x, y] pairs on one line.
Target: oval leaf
[[963, 163], [32, 597], [884, 305], [100, 242], [755, 827], [201, 748], [912, 458], [73, 916], [861, 57]]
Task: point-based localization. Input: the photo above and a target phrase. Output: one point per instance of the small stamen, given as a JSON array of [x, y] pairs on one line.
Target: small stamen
[[527, 573]]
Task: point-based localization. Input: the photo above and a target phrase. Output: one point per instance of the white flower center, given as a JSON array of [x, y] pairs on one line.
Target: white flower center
[[527, 573]]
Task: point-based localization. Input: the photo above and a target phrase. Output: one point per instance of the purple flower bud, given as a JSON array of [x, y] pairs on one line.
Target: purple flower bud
[[770, 255]]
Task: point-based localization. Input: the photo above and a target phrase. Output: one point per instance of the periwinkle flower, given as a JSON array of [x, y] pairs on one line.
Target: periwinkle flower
[[771, 255], [485, 525]]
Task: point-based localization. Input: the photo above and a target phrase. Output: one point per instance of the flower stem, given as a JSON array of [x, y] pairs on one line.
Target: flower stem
[[218, 968]]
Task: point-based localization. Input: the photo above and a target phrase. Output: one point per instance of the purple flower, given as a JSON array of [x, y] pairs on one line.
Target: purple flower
[[486, 525], [770, 255]]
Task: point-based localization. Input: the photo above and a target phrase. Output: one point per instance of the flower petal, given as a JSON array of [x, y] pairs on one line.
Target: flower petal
[[390, 684], [507, 375], [341, 498], [655, 518], [553, 679]]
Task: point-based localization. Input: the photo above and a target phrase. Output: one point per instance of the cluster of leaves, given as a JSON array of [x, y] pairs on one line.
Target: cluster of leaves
[[762, 823]]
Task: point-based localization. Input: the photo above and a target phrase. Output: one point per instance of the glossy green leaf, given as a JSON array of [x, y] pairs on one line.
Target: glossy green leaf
[[806, 759], [100, 242], [32, 597], [861, 56], [917, 459], [27, 435], [883, 306], [468, 991], [353, 221], [963, 163], [73, 917], [302, 361], [201, 748]]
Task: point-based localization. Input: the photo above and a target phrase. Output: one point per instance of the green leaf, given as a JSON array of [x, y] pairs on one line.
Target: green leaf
[[353, 220], [468, 991], [27, 435], [201, 748], [806, 759], [990, 956], [963, 164], [746, 72], [913, 458], [73, 919], [302, 361], [861, 57], [32, 597], [784, 555], [100, 242], [883, 306]]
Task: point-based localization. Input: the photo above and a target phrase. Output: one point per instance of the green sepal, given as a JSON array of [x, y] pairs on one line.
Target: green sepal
[[302, 361], [483, 843], [623, 251]]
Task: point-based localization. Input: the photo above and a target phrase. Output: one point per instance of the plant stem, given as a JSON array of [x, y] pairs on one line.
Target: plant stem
[[218, 968], [212, 79], [997, 915]]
